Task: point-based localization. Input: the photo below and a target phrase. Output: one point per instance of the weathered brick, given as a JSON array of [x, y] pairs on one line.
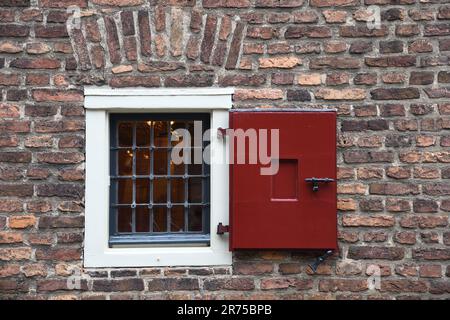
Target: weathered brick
[[63, 3], [384, 253], [21, 222], [58, 254], [60, 157], [16, 190], [243, 80], [118, 285], [176, 34], [203, 80], [298, 95], [60, 190], [334, 63], [423, 221], [342, 94], [362, 31], [112, 40], [334, 285], [15, 254], [403, 285], [254, 268], [173, 284], [243, 284], [51, 31], [395, 94], [9, 237], [14, 30], [54, 95], [135, 81], [37, 63], [368, 221]]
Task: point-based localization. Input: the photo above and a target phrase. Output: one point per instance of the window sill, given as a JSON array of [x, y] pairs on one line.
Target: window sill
[[154, 240]]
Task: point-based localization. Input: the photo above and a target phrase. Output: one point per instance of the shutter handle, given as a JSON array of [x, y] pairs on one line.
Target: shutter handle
[[221, 229], [315, 182]]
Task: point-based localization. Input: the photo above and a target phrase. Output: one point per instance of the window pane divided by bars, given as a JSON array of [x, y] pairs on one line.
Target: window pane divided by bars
[[153, 200]]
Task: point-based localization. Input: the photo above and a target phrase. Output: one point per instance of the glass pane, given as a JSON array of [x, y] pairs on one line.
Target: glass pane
[[125, 191], [124, 220], [159, 219], [142, 162], [161, 135], [177, 168], [143, 133], [177, 190], [195, 190], [160, 190], [195, 168], [142, 190], [125, 134], [142, 219], [160, 162], [125, 162], [195, 218], [177, 219]]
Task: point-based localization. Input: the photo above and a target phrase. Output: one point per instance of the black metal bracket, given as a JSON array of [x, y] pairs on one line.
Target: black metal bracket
[[221, 229], [319, 260], [315, 182]]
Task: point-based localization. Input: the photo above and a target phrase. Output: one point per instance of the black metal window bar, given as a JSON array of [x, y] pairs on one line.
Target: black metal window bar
[[153, 201]]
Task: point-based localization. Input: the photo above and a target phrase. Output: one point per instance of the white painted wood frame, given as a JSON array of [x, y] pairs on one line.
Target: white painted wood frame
[[100, 102]]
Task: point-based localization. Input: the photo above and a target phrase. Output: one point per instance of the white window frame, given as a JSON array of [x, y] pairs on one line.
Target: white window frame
[[100, 102]]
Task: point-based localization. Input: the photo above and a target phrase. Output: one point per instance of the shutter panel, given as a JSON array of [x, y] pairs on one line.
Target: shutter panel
[[285, 210]]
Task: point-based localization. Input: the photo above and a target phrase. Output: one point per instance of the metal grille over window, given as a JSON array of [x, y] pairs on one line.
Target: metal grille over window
[[155, 197]]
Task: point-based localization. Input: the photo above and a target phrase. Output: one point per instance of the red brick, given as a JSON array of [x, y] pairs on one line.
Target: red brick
[[384, 253], [430, 271], [145, 33], [254, 268], [14, 30], [53, 95], [334, 285], [367, 221], [7, 237], [403, 286], [63, 3], [135, 81], [15, 254], [393, 189], [173, 284], [21, 222], [60, 157], [16, 190], [405, 237], [51, 31], [58, 254], [8, 270], [241, 284]]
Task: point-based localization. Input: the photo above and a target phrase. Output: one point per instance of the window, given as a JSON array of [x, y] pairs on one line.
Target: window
[[142, 208], [154, 199]]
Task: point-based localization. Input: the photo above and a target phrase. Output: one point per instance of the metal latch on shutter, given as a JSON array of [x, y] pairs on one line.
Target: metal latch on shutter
[[221, 229]]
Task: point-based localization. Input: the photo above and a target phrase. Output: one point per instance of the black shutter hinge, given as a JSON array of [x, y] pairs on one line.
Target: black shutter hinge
[[221, 229], [319, 260]]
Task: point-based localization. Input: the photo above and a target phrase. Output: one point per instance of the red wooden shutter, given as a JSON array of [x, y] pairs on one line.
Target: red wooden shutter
[[283, 211]]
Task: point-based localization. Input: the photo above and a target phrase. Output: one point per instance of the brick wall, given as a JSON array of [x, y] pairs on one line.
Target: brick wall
[[389, 85]]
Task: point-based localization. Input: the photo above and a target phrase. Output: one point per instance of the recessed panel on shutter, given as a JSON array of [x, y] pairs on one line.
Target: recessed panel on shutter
[[296, 207]]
